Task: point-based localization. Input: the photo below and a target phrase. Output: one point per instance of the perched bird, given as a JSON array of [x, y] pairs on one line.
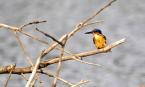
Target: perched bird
[[98, 38]]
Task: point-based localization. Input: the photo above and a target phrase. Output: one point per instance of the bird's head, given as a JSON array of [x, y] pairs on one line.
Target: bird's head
[[94, 31]]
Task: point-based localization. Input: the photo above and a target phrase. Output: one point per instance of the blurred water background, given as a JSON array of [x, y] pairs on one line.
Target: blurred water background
[[123, 67]]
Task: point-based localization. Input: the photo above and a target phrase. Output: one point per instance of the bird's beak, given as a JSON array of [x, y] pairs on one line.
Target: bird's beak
[[89, 32]]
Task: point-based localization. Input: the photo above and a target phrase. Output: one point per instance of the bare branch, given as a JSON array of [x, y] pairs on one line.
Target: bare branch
[[34, 37], [33, 22], [98, 12], [46, 51], [89, 63], [93, 23], [12, 67], [59, 78], [47, 35], [34, 70], [78, 59], [25, 52], [80, 83], [23, 48], [24, 77], [9, 27], [59, 63], [85, 54]]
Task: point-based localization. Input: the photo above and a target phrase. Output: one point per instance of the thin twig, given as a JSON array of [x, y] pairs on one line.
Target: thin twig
[[33, 22], [80, 83], [9, 27], [16, 29], [34, 80], [24, 77], [34, 70], [6, 84], [59, 63], [89, 63], [34, 37], [59, 78], [81, 25], [23, 48], [78, 59], [47, 35], [25, 52], [46, 51], [12, 68], [99, 11], [93, 23]]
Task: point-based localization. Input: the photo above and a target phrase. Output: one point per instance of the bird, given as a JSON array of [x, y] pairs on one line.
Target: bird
[[98, 38]]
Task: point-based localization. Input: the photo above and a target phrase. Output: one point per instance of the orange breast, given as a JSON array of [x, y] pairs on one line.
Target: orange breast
[[99, 41]]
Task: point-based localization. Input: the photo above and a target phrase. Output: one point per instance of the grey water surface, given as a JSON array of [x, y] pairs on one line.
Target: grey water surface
[[124, 66]]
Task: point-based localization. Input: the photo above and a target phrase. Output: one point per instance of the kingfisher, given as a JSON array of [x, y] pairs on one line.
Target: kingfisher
[[98, 38]]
